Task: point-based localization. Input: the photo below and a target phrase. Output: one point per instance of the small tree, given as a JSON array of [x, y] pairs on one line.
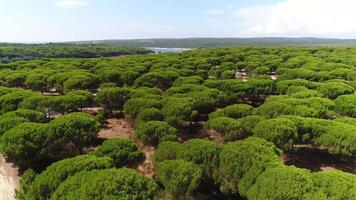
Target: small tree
[[238, 158], [110, 183], [155, 132], [80, 129], [284, 182], [134, 106], [335, 184], [179, 110], [37, 81], [166, 151], [10, 102], [229, 128], [249, 123], [338, 138], [84, 98], [273, 109], [162, 80], [334, 89], [149, 114], [346, 105], [259, 89], [113, 98], [123, 152], [25, 144], [180, 178], [204, 153], [282, 132], [30, 115], [48, 181], [234, 111], [7, 123], [188, 80]]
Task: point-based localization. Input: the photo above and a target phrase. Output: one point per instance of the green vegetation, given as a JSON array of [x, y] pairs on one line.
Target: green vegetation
[[201, 152], [230, 129], [180, 178], [205, 123], [30, 143], [113, 98], [272, 183], [122, 151], [280, 131], [236, 159], [17, 52], [155, 132], [235, 111], [112, 183], [43, 185]]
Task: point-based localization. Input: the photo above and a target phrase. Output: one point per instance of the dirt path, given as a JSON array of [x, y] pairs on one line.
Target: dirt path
[[121, 128], [9, 179]]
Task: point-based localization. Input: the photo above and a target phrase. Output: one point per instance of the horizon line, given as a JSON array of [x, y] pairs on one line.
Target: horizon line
[[168, 38]]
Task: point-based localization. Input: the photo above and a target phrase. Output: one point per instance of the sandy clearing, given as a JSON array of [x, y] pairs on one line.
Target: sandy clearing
[[121, 128], [9, 179]]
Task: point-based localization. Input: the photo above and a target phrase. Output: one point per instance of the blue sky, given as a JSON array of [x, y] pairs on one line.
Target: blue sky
[[69, 20]]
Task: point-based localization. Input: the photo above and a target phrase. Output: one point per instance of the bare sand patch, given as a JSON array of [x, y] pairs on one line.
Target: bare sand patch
[[9, 179]]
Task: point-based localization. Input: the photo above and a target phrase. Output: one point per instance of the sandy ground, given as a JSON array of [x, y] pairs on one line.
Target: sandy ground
[[9, 179], [121, 128]]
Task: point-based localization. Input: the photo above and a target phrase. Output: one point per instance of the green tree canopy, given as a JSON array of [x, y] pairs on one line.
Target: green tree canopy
[[155, 132], [166, 151], [180, 178], [237, 158], [113, 98], [283, 183], [80, 129], [122, 151], [25, 143], [149, 114], [229, 128], [107, 184], [48, 181], [346, 105], [134, 106], [201, 152], [282, 132]]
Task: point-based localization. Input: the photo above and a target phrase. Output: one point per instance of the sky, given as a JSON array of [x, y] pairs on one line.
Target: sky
[[75, 20]]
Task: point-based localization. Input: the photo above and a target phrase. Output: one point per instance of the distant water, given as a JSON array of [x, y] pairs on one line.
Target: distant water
[[168, 50]]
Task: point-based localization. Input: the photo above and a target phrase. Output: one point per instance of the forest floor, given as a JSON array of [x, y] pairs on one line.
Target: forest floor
[[121, 128], [307, 156]]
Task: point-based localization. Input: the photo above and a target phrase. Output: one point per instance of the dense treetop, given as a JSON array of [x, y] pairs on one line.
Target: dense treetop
[[252, 103], [107, 184]]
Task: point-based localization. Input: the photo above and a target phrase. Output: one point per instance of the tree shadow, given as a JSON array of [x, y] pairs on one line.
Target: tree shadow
[[319, 160]]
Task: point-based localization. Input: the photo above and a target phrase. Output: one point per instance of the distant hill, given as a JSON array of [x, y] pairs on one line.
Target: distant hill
[[224, 42]]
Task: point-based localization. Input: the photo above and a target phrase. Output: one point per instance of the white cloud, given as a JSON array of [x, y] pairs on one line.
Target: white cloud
[[300, 18], [215, 12], [71, 3]]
